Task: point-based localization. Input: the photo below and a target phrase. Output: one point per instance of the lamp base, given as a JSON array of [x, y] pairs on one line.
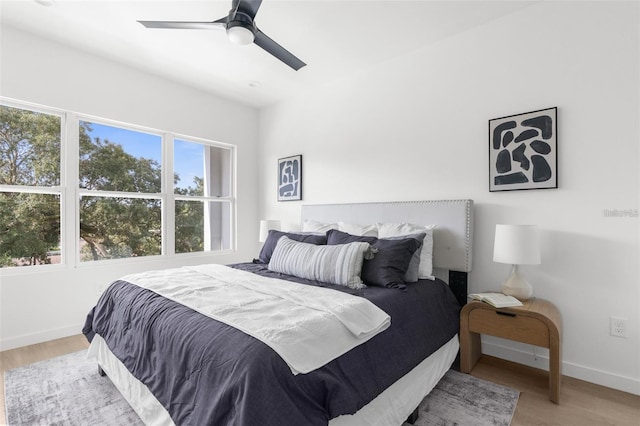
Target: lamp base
[[517, 286]]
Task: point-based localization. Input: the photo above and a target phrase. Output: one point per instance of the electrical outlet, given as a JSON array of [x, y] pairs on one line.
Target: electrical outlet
[[618, 326]]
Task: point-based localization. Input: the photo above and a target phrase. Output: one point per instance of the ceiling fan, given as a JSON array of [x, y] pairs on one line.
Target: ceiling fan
[[241, 29]]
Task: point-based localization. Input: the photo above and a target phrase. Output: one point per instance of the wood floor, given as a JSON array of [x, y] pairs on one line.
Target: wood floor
[[581, 403]]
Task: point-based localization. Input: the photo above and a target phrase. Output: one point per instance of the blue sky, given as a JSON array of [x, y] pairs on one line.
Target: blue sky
[[188, 161], [188, 156]]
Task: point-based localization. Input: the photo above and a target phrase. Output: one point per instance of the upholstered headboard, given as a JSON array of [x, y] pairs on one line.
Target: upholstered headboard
[[452, 237]]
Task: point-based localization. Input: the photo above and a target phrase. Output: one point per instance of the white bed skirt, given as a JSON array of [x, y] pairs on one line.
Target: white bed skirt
[[391, 407]]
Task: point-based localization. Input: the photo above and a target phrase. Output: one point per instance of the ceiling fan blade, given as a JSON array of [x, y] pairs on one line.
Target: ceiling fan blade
[[262, 40], [220, 23], [249, 7]]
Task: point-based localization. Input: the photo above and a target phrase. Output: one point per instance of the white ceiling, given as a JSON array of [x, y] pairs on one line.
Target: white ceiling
[[334, 37]]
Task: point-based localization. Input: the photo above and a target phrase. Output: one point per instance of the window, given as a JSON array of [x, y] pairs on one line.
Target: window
[[127, 204], [29, 187], [202, 191], [120, 179]]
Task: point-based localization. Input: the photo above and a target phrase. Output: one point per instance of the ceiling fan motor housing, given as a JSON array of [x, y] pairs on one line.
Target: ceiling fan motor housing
[[240, 28]]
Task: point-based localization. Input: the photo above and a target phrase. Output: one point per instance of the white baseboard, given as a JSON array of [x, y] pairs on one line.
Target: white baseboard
[[44, 336], [541, 361]]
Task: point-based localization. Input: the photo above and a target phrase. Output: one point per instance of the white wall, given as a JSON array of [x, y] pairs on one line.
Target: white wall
[[416, 128], [50, 302]]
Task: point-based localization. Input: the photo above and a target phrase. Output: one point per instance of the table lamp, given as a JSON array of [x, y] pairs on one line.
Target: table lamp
[[517, 245], [265, 226]]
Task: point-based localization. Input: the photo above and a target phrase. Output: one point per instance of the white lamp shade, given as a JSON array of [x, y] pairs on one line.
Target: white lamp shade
[[265, 226], [517, 245]]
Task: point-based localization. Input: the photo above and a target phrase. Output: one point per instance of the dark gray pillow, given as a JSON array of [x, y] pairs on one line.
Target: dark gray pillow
[[274, 236], [391, 261], [413, 271]]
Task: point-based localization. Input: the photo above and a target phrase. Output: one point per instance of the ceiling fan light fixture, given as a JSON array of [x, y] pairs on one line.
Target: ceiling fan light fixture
[[240, 35]]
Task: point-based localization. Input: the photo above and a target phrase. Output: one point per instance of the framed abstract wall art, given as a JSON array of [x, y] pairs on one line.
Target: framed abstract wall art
[[290, 178], [523, 151]]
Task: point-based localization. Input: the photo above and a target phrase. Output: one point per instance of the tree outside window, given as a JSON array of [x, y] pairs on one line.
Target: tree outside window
[[29, 181]]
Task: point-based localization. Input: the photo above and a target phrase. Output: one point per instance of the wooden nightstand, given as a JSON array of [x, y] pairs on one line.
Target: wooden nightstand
[[538, 322]]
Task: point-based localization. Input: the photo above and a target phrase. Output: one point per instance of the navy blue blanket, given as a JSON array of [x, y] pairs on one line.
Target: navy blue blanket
[[205, 372]]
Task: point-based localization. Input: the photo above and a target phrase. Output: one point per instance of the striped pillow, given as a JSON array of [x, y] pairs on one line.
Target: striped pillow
[[339, 264]]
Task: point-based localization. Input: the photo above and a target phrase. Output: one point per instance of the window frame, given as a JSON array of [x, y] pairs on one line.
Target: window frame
[[202, 198], [59, 190], [70, 192]]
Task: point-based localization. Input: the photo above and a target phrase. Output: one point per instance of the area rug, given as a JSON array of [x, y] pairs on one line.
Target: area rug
[[461, 399], [68, 391]]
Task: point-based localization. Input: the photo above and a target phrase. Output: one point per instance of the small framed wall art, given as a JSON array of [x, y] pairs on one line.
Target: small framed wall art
[[523, 151], [290, 178]]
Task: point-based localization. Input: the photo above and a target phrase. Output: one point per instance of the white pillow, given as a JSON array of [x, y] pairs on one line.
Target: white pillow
[[337, 264], [313, 226], [386, 230], [359, 230]]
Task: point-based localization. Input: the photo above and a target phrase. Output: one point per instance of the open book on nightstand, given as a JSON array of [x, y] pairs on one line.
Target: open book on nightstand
[[498, 300]]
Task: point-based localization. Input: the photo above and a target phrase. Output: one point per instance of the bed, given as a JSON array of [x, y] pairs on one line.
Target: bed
[[180, 363]]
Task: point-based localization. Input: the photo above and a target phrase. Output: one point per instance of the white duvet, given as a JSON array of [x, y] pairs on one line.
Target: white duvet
[[307, 326]]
